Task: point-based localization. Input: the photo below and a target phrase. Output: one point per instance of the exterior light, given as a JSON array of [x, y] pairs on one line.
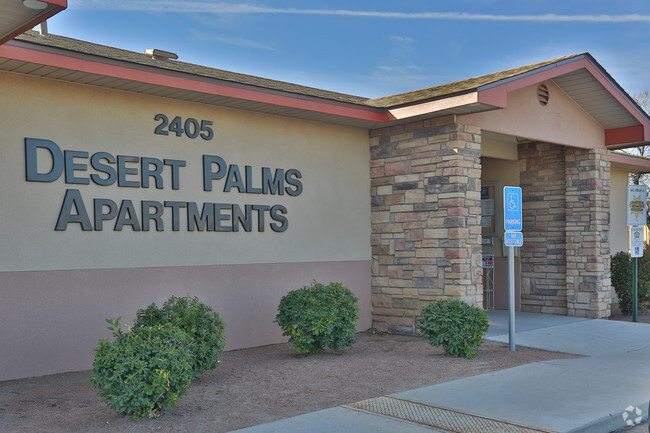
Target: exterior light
[[34, 4]]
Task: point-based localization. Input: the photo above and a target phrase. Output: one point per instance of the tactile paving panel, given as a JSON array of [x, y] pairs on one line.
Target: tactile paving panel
[[439, 418]]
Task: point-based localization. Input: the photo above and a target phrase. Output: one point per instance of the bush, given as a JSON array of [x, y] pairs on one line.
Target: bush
[[455, 325], [621, 268], [144, 371], [318, 316], [201, 323]]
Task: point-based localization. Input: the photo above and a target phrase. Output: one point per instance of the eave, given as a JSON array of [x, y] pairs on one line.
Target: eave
[[44, 61], [16, 19], [624, 123], [630, 163]]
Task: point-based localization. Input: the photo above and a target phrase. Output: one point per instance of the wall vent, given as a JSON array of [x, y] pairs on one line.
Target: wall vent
[[165, 56], [542, 94]]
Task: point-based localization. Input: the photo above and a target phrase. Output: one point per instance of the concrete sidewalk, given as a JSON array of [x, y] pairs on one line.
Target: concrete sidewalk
[[589, 394]]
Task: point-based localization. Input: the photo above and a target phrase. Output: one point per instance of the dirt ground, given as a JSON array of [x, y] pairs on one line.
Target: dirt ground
[[643, 317], [255, 386], [263, 384]]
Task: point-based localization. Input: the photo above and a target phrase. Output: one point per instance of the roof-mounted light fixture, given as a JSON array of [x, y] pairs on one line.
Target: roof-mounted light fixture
[[34, 4], [160, 54]]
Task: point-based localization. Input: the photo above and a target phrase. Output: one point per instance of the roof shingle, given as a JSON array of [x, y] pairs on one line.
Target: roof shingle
[[237, 79]]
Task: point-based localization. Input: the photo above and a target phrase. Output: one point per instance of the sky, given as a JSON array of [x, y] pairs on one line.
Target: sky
[[376, 48]]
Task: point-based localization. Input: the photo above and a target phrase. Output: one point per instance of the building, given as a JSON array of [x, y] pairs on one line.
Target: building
[[127, 178]]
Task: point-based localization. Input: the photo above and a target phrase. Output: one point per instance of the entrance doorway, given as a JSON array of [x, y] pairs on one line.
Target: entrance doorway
[[499, 168]]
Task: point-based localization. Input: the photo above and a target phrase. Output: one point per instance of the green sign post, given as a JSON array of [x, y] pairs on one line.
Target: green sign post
[[636, 250], [636, 218]]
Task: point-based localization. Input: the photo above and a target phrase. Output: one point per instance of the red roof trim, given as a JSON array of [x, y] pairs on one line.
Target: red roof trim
[[92, 67], [632, 160], [496, 97], [622, 136], [61, 3]]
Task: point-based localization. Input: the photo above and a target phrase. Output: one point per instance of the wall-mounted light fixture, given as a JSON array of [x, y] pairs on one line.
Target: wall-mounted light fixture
[[34, 4]]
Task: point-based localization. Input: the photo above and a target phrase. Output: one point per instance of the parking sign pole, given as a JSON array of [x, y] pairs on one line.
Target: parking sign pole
[[512, 224], [636, 250], [637, 211], [635, 282], [511, 298]]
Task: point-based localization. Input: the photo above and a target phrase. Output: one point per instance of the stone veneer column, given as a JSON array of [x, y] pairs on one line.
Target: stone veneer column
[[426, 218], [543, 255], [587, 241]]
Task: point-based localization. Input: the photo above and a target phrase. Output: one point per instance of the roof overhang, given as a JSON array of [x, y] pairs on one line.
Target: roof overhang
[[465, 103], [625, 124], [580, 77], [45, 61], [16, 18], [630, 163]]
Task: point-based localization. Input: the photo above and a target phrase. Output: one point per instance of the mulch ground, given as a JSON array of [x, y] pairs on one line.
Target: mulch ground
[[260, 385], [255, 386]]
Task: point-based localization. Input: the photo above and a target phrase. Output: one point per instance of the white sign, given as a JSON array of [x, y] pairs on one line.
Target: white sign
[[636, 241], [513, 239], [637, 205]]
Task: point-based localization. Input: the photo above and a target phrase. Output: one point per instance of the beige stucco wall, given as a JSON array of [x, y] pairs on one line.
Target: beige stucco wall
[[557, 122], [329, 220], [498, 147], [618, 231], [58, 287]]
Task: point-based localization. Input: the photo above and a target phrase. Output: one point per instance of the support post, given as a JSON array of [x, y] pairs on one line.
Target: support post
[[511, 298], [635, 293]]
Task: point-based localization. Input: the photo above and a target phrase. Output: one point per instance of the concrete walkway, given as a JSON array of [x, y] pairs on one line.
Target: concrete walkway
[[588, 394]]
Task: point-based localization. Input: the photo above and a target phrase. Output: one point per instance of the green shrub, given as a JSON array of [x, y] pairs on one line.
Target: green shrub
[[143, 372], [621, 268], [318, 316], [201, 323], [455, 325]]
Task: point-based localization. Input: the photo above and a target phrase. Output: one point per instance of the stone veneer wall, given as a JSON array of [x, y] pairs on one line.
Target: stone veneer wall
[[565, 263], [543, 255], [426, 212], [587, 226]]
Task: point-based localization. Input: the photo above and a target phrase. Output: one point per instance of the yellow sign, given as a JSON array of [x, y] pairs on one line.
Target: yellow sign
[[637, 207]]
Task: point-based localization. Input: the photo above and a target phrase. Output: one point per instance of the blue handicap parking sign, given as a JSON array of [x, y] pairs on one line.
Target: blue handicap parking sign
[[512, 209]]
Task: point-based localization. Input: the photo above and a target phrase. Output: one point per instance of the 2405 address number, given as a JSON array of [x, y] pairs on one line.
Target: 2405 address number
[[191, 127]]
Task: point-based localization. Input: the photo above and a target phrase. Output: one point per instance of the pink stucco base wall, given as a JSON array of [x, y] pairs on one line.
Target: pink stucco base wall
[[51, 321]]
